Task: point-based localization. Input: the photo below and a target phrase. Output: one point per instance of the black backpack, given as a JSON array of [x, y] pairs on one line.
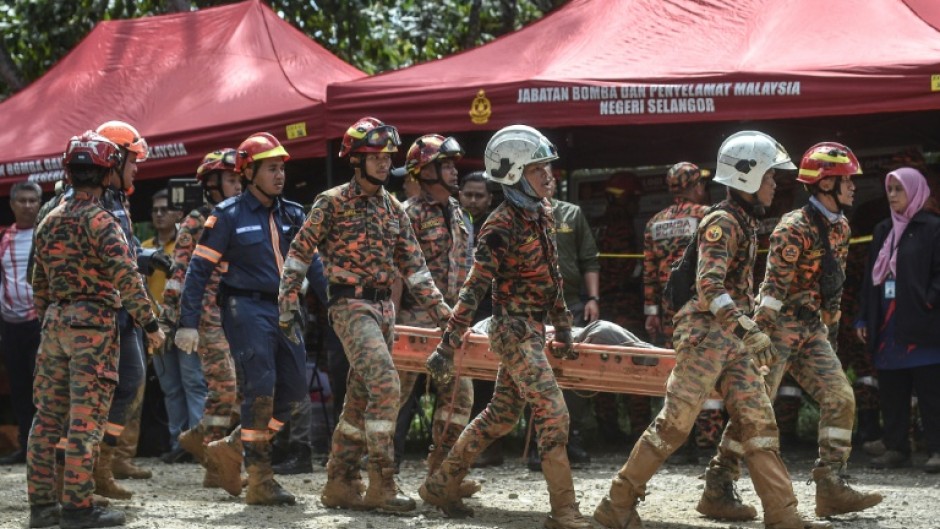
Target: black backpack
[[681, 283]]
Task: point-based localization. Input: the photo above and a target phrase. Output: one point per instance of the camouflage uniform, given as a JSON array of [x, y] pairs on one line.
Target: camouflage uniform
[[446, 245], [516, 254], [710, 355], [84, 273], [217, 364], [365, 243], [667, 234]]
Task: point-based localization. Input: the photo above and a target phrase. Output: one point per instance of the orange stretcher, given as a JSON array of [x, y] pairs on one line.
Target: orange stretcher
[[607, 368]]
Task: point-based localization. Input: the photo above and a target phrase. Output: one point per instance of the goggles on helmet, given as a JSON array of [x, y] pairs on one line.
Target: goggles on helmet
[[451, 149], [379, 137]]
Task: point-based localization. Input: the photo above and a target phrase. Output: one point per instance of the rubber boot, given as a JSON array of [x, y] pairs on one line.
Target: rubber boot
[[298, 462], [618, 509], [383, 493], [442, 488], [122, 464], [343, 487], [720, 499], [194, 442], [263, 489], [104, 479], [88, 517], [225, 455], [557, 471], [834, 496], [43, 515], [773, 486]]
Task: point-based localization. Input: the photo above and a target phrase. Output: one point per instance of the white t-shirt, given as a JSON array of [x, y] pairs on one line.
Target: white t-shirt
[[16, 291]]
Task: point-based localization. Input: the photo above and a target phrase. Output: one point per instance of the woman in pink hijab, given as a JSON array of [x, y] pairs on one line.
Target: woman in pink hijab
[[900, 317]]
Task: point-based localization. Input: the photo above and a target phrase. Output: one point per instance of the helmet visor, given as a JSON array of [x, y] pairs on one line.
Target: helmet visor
[[228, 158], [379, 137], [451, 149], [545, 152]]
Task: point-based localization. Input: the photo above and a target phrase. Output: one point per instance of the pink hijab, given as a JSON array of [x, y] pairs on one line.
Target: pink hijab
[[915, 185]]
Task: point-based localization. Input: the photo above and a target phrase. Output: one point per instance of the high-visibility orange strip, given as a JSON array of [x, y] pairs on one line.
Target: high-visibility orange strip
[[276, 243], [275, 425], [254, 436], [113, 429], [207, 253]]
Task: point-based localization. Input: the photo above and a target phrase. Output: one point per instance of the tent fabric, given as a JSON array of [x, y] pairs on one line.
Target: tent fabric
[[191, 83], [627, 62]]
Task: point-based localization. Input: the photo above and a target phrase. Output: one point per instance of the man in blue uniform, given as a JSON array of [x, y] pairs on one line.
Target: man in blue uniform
[[248, 236]]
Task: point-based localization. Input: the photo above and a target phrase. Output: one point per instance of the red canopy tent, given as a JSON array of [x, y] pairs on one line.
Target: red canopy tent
[[645, 62], [191, 83]]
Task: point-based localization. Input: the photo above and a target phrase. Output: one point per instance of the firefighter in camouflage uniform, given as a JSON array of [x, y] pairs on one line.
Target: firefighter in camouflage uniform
[[719, 346], [665, 238], [84, 273], [365, 240], [216, 174], [445, 233], [516, 253], [799, 300]]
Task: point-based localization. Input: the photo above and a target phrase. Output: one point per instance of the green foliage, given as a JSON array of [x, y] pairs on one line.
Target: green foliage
[[372, 35]]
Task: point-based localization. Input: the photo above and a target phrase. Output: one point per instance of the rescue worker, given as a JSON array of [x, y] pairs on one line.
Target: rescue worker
[[84, 273], [719, 346], [216, 174], [667, 234], [445, 234], [365, 240], [516, 253], [799, 300], [247, 236]]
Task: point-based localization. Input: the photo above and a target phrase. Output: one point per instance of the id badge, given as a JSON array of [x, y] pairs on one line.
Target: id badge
[[889, 289]]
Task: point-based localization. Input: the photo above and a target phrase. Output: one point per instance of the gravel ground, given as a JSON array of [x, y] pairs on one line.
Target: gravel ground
[[512, 497]]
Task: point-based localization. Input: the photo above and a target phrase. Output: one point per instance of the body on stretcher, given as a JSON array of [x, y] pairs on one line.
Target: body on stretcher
[[607, 368]]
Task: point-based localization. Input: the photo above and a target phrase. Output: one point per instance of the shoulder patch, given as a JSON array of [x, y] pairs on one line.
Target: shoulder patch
[[713, 233], [791, 253], [228, 202], [316, 216], [210, 222]]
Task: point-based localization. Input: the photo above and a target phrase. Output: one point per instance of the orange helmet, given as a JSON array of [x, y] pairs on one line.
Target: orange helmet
[[369, 135], [684, 175], [220, 160], [126, 136], [623, 183], [431, 148], [827, 159], [258, 146]]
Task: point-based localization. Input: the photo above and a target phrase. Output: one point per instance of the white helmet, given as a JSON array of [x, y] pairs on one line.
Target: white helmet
[[512, 148], [744, 158]]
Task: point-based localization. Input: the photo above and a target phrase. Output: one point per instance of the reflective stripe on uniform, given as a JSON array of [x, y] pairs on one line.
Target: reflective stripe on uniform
[[454, 418], [207, 253], [713, 404], [867, 381], [789, 391], [255, 436], [832, 432], [650, 310], [720, 302], [421, 276], [763, 443], [380, 426], [173, 284], [771, 303], [216, 420], [295, 265]]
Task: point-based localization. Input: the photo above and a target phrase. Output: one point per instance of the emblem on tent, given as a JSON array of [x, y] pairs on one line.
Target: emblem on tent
[[480, 109]]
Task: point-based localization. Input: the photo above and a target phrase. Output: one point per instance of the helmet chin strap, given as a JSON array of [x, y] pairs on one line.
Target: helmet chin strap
[[439, 179], [755, 208], [262, 191], [371, 179], [834, 193]]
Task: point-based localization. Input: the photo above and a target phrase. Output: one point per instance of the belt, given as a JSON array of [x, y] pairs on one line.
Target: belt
[[803, 313], [228, 291], [335, 291], [536, 315]]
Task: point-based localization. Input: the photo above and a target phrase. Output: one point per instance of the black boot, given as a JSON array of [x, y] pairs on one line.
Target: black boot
[[44, 515], [16, 458], [90, 517], [577, 455], [298, 462]]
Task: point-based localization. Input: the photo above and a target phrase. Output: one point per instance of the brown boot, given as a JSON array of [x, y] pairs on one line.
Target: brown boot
[[194, 442], [720, 499], [104, 480], [263, 489], [226, 456], [122, 465], [383, 493], [834, 496], [442, 488], [468, 487], [557, 471], [210, 480], [343, 489], [773, 486], [618, 509]]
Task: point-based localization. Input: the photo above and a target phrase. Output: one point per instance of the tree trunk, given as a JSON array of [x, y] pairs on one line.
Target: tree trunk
[[8, 70]]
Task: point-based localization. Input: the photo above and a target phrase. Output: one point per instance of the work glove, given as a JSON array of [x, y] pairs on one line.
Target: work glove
[[756, 341], [292, 325], [831, 318], [561, 347], [187, 339], [440, 365]]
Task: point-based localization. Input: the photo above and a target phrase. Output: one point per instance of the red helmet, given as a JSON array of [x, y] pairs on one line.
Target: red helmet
[[126, 136], [623, 183], [88, 151], [220, 160], [827, 159], [431, 148], [369, 135], [258, 146], [684, 175]]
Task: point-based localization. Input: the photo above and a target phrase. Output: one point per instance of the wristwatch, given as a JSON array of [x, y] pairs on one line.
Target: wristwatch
[[593, 298]]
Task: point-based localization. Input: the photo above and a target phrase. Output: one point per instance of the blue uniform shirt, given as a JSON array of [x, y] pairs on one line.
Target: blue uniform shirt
[[238, 232]]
